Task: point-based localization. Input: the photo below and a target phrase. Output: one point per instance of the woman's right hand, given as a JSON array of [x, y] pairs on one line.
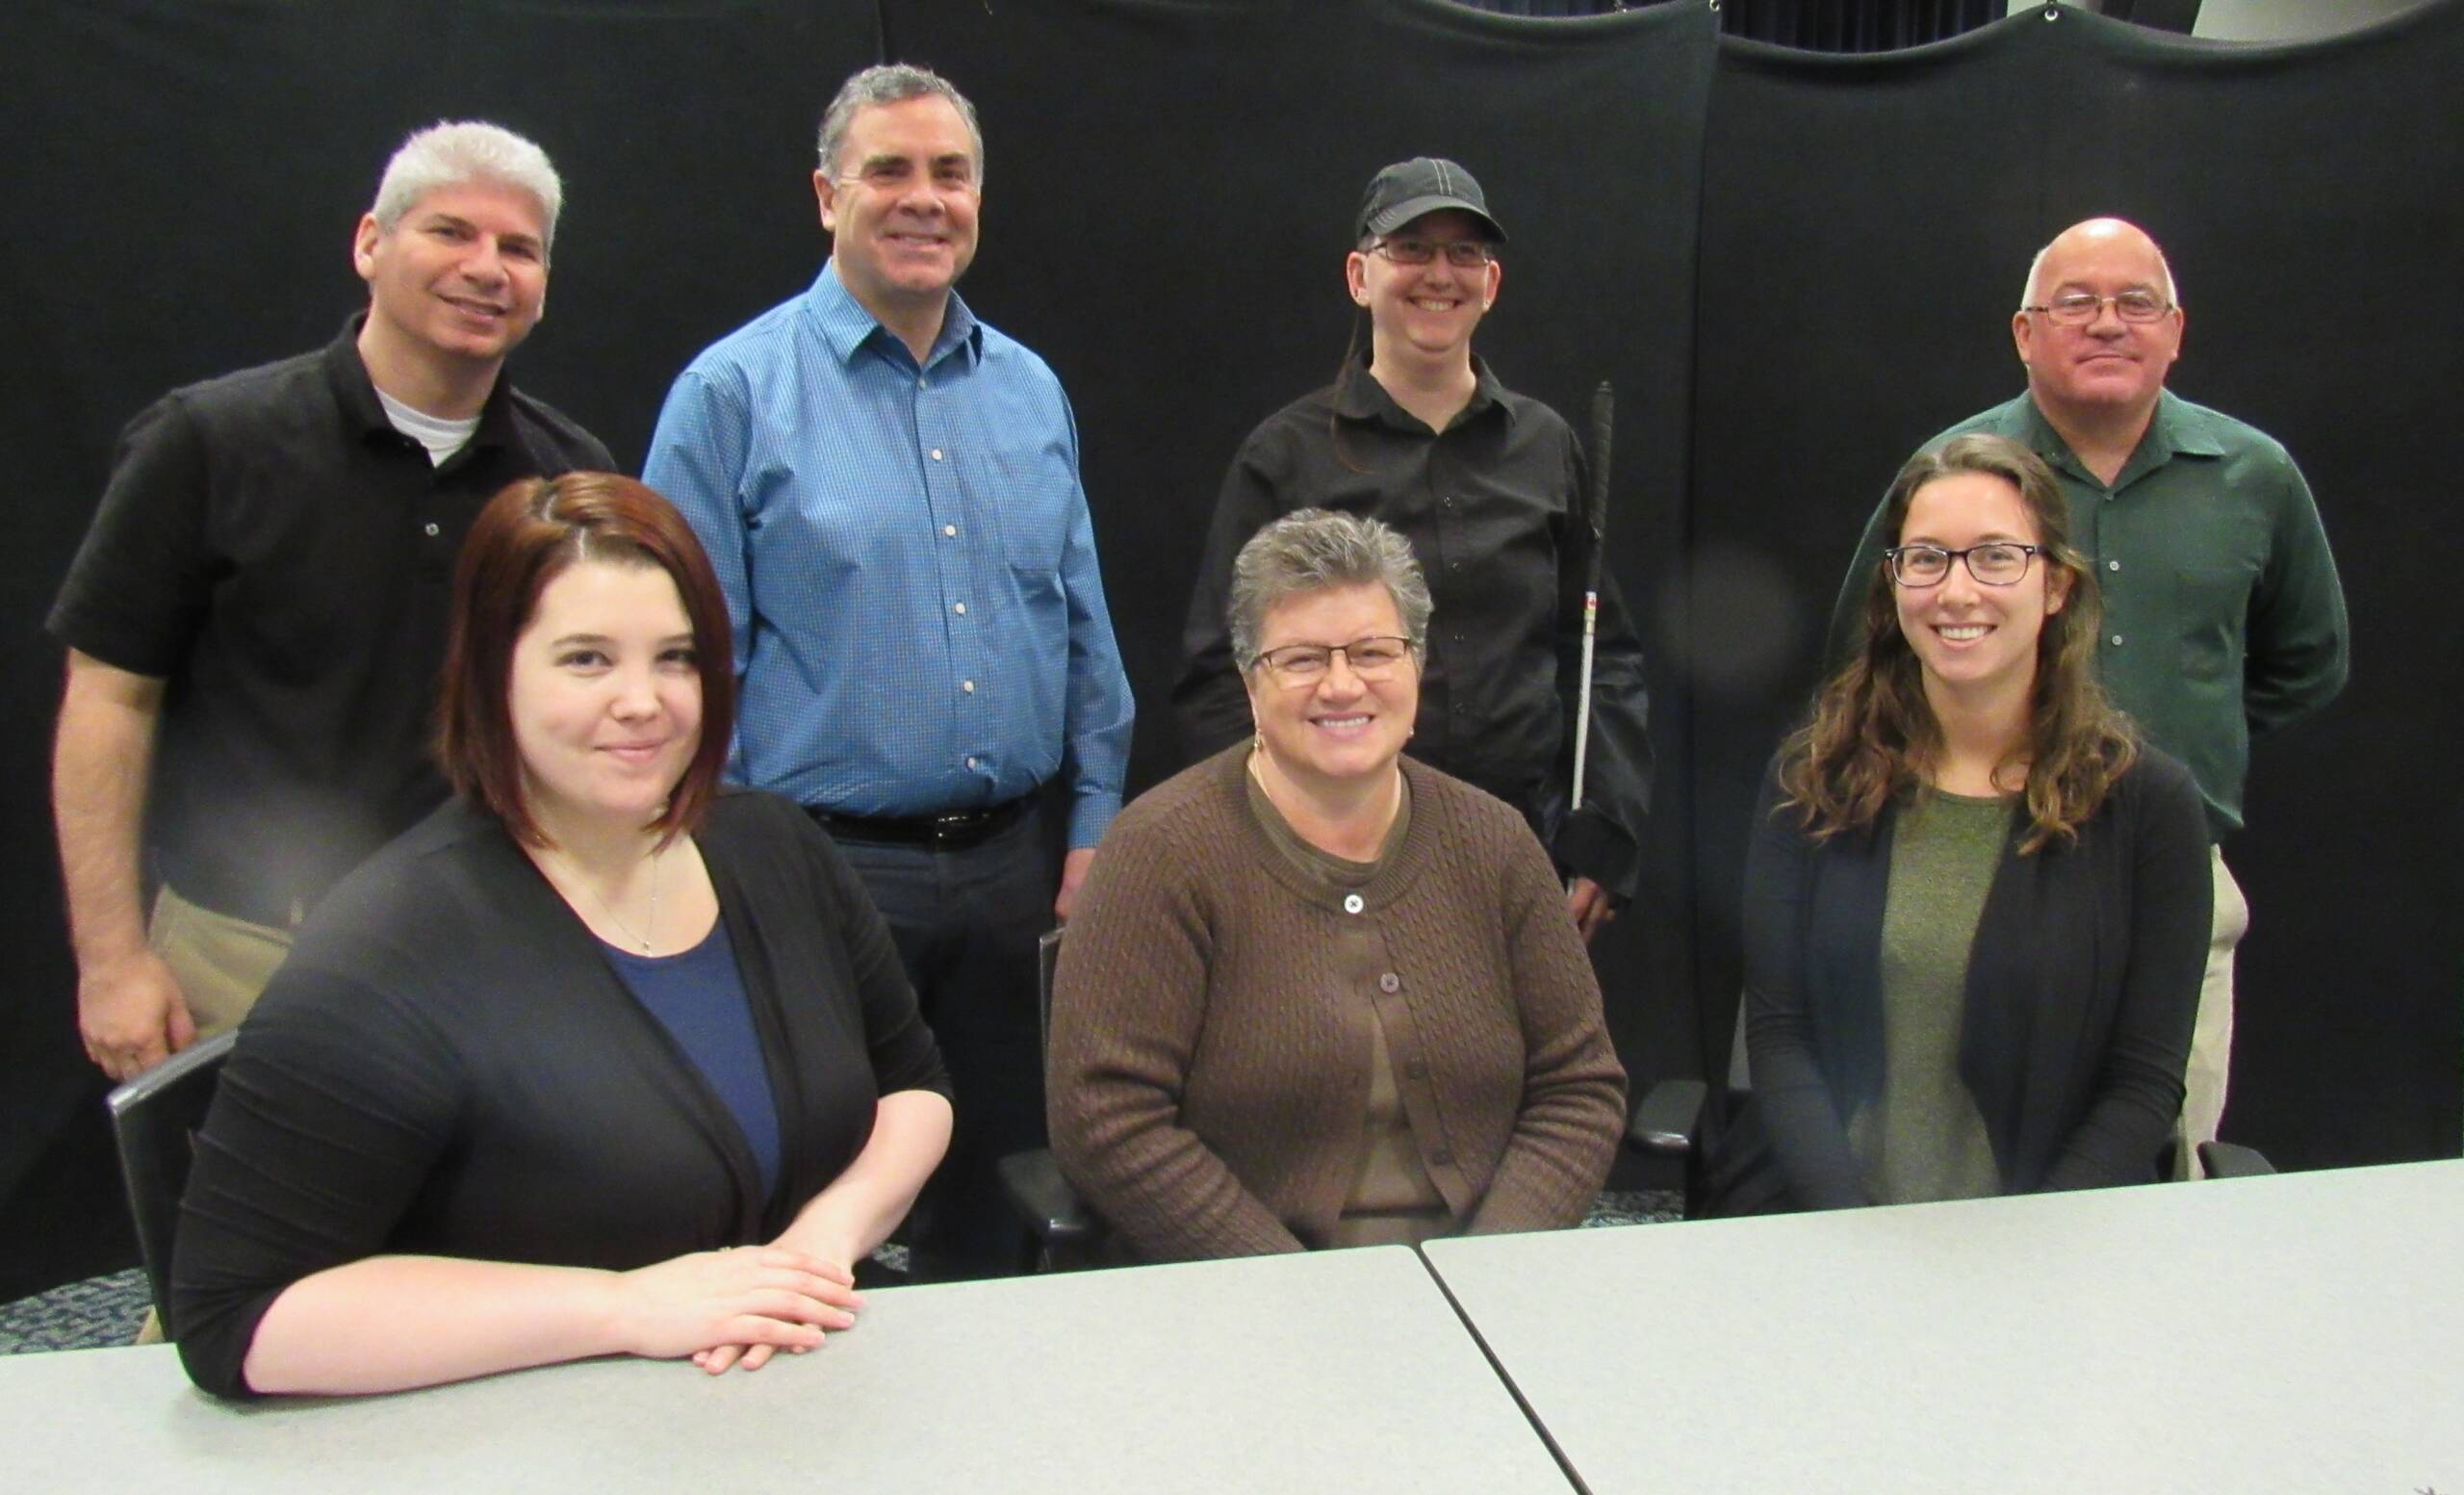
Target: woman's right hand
[[755, 1295]]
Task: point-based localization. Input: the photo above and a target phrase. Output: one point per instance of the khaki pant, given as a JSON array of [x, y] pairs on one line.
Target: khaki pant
[[2212, 1038], [222, 963]]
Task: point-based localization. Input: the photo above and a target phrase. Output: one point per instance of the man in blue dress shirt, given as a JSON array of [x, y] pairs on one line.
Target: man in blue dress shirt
[[888, 489]]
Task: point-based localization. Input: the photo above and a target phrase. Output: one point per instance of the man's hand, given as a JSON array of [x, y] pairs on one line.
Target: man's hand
[[1590, 905], [1074, 871], [132, 1014]]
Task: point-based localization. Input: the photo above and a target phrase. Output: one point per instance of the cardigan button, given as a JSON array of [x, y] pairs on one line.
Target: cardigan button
[[1389, 982], [1353, 903], [1441, 1157], [1416, 1069]]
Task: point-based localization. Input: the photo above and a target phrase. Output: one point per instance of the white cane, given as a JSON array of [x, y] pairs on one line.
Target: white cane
[[1596, 507]]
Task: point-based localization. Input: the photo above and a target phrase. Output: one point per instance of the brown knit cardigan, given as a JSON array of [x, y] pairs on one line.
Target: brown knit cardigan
[[1209, 1064]]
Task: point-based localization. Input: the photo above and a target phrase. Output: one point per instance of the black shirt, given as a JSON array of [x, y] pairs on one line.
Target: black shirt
[[281, 557], [1492, 507], [449, 1064]]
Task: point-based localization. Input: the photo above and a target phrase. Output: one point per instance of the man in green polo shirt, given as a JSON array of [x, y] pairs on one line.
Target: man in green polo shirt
[[2223, 617]]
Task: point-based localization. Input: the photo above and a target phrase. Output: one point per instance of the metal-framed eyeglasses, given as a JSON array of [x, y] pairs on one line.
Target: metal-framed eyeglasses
[[1461, 253], [2078, 308], [1379, 656], [1995, 563]]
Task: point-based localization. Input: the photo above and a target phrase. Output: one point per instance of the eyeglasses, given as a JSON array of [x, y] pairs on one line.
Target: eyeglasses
[[2078, 308], [1461, 253], [2000, 563], [1377, 657]]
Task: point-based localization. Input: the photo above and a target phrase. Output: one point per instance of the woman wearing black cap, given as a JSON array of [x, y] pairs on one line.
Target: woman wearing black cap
[[1485, 483]]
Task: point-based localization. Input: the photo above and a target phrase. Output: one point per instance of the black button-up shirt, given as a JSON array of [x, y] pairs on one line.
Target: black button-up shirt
[[1491, 506], [276, 553]]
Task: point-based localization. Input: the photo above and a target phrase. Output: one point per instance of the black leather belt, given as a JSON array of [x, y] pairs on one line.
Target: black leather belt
[[955, 831]]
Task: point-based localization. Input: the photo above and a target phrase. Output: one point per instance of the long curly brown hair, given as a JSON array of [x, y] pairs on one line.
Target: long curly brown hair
[[1873, 740]]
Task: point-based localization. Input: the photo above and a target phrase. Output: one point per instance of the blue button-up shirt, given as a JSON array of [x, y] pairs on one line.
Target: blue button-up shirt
[[919, 622]]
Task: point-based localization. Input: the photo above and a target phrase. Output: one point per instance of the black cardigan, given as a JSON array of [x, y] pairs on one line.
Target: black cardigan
[[449, 1064], [2082, 988]]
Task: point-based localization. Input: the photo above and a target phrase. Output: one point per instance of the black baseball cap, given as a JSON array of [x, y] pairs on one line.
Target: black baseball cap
[[1423, 184]]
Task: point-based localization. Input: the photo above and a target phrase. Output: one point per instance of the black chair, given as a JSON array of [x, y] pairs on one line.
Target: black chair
[[1060, 1231], [155, 1117]]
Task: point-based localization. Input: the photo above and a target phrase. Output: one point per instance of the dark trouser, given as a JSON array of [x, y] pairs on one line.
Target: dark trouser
[[966, 923]]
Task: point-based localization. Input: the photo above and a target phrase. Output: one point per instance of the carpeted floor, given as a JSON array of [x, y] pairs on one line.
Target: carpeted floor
[[106, 1310], [87, 1315]]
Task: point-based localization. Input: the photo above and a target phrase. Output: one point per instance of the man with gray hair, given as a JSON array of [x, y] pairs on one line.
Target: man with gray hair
[[888, 490], [2223, 616], [256, 618]]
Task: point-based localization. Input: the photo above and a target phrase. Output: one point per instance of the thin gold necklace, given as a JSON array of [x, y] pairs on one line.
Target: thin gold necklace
[[1394, 799]]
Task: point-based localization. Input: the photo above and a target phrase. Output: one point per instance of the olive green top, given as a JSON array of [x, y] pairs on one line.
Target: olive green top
[[1922, 1137]]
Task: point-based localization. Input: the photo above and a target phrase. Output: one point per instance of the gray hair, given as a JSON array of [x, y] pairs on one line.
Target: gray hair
[[1311, 548], [2028, 293], [890, 83], [450, 154]]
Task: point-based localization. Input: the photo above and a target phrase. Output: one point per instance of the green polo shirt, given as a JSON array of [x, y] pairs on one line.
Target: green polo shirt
[[2223, 616]]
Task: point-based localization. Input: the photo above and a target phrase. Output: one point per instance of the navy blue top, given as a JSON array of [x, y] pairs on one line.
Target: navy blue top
[[698, 997]]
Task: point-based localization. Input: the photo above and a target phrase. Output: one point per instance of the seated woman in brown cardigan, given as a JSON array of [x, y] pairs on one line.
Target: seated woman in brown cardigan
[[1315, 993]]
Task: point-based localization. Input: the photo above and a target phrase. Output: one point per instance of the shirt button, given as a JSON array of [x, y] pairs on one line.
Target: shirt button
[[1450, 502], [430, 528], [2112, 565], [936, 453], [970, 760], [2116, 640], [1416, 1069], [950, 530], [1353, 903], [1389, 982], [1442, 1156], [1453, 565], [967, 685], [960, 609], [924, 383]]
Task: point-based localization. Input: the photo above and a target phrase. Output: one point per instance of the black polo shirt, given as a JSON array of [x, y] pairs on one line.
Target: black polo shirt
[[1491, 506], [281, 557]]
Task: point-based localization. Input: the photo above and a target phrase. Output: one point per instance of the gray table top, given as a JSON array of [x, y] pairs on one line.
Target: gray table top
[[1344, 1370], [2299, 1334]]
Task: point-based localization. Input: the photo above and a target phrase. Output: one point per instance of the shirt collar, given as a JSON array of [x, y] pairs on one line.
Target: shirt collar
[[1361, 397], [364, 415], [2176, 429], [848, 328]]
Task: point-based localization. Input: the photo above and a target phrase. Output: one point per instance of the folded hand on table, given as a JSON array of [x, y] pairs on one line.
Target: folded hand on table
[[806, 1241], [735, 1303]]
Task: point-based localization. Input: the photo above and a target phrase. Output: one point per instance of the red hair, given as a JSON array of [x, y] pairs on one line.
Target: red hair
[[528, 535]]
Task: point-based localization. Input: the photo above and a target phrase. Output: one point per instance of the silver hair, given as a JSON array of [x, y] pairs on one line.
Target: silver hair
[[2028, 295], [890, 83], [453, 153], [1312, 548]]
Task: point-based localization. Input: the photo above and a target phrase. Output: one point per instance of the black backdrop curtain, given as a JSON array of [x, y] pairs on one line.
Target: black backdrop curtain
[[1793, 267], [1855, 25]]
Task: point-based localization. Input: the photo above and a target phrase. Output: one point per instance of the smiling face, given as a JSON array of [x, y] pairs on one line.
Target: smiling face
[[1430, 310], [1337, 727], [2108, 365], [462, 275], [605, 696], [1976, 641], [901, 205]]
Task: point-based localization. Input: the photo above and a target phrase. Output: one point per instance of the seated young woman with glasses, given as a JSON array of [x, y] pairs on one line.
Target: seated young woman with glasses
[[1315, 993], [1976, 908]]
